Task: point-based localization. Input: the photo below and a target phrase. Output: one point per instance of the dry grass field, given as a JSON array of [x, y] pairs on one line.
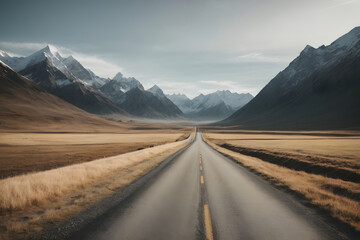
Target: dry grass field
[[323, 168], [22, 153], [37, 201]]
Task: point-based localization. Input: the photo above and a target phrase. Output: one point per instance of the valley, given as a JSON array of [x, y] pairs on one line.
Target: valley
[[210, 141]]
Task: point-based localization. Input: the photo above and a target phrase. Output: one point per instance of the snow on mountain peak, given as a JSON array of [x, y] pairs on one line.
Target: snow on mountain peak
[[127, 83], [4, 54], [50, 49], [69, 60]]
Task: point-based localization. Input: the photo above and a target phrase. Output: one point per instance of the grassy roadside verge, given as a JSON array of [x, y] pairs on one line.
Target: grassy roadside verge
[[22, 153], [319, 190], [41, 200]]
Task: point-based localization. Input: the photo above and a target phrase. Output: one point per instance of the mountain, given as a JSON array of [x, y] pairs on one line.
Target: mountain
[[85, 75], [171, 108], [182, 101], [214, 112], [60, 76], [127, 84], [320, 89], [234, 100], [48, 53], [145, 104], [213, 106], [116, 87], [27, 107]]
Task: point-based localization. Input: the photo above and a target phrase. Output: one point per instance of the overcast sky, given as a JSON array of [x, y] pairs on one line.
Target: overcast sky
[[190, 47]]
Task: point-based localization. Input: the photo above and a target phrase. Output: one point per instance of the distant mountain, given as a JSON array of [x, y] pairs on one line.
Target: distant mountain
[[68, 79], [49, 70], [85, 75], [116, 87], [26, 106], [320, 89], [48, 53], [234, 100], [213, 112], [145, 104], [172, 109], [213, 106], [127, 84], [182, 101], [129, 93]]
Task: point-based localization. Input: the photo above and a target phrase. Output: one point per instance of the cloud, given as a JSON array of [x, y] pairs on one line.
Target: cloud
[[220, 83], [257, 57], [340, 3], [99, 66], [21, 46], [96, 64], [227, 85]]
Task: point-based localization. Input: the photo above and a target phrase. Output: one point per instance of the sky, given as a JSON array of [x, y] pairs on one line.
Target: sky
[[183, 46]]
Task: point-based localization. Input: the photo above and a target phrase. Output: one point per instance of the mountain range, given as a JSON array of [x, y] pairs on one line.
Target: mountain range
[[69, 80], [49, 70], [213, 106], [27, 106], [320, 89]]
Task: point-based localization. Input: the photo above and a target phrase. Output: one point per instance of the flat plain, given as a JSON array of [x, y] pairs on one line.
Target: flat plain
[[31, 152], [322, 167]]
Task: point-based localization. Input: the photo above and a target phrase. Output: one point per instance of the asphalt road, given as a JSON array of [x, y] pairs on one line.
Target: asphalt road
[[204, 195]]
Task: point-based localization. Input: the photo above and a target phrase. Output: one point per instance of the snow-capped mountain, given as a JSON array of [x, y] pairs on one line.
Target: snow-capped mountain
[[319, 89], [84, 75], [68, 79], [182, 101], [127, 83], [117, 86], [50, 70], [4, 54], [234, 100], [49, 52], [69, 66], [217, 105]]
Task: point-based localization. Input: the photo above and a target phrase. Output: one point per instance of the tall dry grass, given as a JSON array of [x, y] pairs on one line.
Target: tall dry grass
[[319, 190], [33, 189]]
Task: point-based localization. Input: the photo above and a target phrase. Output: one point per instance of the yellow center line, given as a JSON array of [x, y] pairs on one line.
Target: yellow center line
[[207, 221], [202, 179], [200, 161], [200, 168]]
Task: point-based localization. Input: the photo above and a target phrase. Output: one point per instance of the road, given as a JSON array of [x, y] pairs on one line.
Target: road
[[204, 195]]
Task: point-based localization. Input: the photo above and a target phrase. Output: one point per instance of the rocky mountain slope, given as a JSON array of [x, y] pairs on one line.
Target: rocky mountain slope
[[26, 106], [320, 89]]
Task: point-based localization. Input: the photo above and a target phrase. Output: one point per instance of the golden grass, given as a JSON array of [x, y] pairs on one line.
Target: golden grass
[[341, 148], [32, 189], [90, 138], [117, 172], [22, 153], [319, 190]]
